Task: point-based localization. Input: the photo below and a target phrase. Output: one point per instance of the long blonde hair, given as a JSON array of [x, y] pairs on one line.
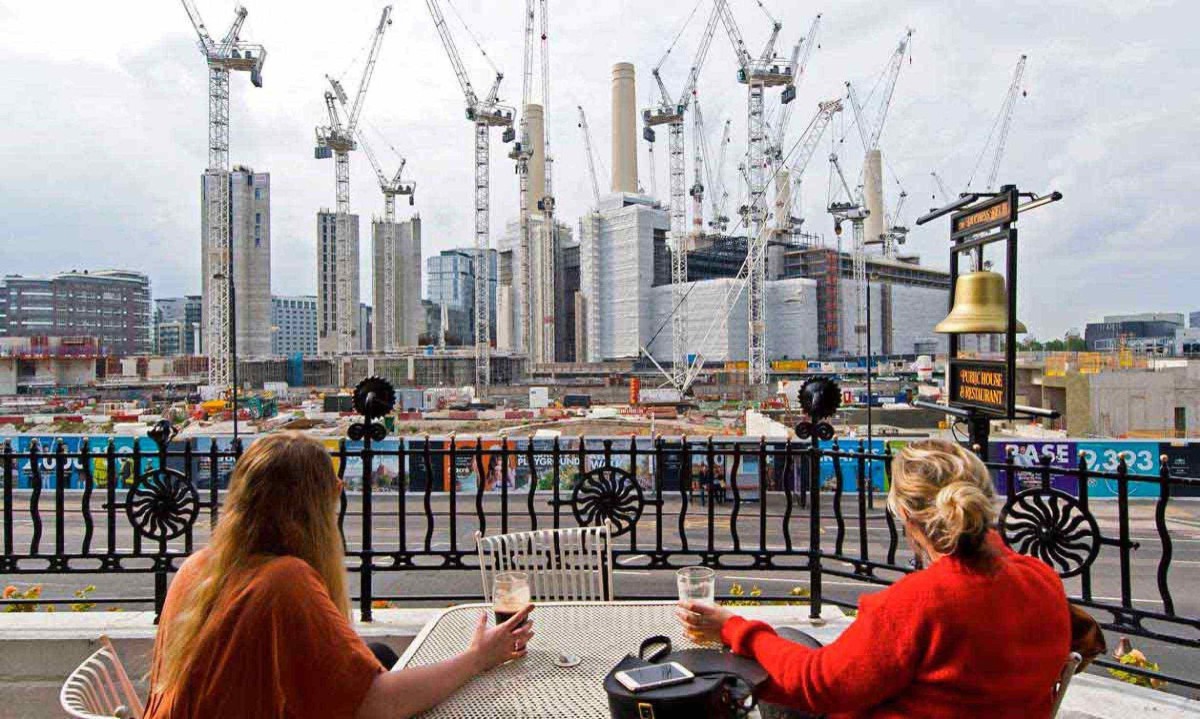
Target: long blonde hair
[[282, 501], [946, 492]]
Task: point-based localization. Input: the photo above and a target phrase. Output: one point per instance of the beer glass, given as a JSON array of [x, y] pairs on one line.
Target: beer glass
[[510, 594], [697, 584]]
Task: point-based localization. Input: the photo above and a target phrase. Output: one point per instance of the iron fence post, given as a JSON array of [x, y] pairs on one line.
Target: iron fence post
[[814, 531], [365, 564]]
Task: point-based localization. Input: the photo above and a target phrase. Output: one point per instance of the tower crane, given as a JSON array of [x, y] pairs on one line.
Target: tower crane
[[758, 74], [852, 210], [587, 144], [549, 233], [337, 140], [536, 333], [869, 130], [391, 187], [231, 54], [671, 113], [800, 56], [1004, 122], [804, 148], [483, 114], [719, 199]]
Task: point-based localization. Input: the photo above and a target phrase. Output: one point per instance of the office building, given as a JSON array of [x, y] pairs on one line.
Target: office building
[[396, 284], [330, 338], [1152, 332], [294, 325], [112, 306], [366, 324], [250, 224], [178, 325], [451, 282]]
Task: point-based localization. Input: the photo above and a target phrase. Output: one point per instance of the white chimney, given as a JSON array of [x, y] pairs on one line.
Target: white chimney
[[624, 129]]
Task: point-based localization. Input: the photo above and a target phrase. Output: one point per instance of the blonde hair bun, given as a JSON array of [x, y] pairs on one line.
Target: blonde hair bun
[[946, 492]]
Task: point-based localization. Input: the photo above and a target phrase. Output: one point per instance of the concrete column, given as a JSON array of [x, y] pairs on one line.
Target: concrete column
[[624, 129], [873, 195], [534, 125]]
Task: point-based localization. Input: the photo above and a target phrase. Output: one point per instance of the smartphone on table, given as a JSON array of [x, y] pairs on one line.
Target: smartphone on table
[[654, 676]]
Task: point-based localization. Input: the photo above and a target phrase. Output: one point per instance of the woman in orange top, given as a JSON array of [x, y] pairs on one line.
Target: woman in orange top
[[258, 624]]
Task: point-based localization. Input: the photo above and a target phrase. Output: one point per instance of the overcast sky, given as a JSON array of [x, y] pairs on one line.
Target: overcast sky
[[106, 109]]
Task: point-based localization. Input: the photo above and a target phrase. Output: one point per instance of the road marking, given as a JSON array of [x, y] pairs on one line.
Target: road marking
[[634, 558], [1117, 599], [638, 572]]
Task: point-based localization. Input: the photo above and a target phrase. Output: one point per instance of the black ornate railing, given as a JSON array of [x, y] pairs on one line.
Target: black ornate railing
[[412, 506]]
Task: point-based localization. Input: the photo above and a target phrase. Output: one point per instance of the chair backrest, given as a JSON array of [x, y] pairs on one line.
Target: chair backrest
[[100, 687], [1064, 680], [563, 565]]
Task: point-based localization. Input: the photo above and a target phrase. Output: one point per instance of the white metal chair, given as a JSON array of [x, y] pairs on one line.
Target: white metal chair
[[1064, 680], [100, 688], [563, 565]]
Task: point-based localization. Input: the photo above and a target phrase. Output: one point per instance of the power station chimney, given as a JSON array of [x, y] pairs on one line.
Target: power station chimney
[[624, 129], [534, 119], [873, 227]]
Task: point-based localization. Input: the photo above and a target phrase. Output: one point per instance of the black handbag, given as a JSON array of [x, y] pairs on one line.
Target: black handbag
[[723, 687]]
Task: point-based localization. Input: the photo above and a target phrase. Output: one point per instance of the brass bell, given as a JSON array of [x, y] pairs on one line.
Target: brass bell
[[980, 306]]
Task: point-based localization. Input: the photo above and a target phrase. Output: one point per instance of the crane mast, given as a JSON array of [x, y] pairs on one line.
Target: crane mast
[[522, 152], [549, 232], [338, 139], [671, 113], [757, 74], [232, 54], [484, 114]]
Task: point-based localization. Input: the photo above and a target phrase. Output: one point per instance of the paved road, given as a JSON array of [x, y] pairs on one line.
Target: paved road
[[631, 576]]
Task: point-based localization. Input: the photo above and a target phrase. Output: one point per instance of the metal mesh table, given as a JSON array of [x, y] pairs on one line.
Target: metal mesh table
[[599, 633]]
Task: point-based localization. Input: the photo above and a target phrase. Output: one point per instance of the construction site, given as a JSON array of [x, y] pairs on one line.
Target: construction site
[[688, 281], [701, 297]]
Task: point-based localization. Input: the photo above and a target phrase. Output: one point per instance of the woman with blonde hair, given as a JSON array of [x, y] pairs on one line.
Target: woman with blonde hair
[[258, 623], [980, 631]]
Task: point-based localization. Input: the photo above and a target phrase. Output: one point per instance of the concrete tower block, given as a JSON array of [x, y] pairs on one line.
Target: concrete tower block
[[624, 129]]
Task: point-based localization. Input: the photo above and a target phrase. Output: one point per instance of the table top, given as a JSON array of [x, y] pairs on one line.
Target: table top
[[599, 633]]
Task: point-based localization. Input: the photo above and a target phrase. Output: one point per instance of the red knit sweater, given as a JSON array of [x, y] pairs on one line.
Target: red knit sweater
[[945, 642]]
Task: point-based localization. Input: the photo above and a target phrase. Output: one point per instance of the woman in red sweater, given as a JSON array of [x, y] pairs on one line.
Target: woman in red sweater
[[981, 631]]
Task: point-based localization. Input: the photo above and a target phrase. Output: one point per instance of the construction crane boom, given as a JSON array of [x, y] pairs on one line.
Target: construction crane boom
[[232, 54], [800, 56], [587, 145], [870, 128], [941, 188], [485, 115], [1006, 114]]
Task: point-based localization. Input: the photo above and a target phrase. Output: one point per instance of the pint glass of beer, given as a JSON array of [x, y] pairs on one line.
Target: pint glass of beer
[[510, 594]]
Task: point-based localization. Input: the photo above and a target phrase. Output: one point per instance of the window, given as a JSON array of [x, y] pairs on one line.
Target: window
[[258, 193]]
